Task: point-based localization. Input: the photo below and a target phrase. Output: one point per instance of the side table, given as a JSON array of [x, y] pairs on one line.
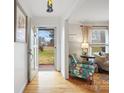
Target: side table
[[87, 57]]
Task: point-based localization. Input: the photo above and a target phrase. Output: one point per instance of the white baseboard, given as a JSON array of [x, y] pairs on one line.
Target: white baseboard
[[23, 87]]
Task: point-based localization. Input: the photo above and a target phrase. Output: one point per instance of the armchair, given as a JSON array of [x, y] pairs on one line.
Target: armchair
[[81, 70], [102, 61]]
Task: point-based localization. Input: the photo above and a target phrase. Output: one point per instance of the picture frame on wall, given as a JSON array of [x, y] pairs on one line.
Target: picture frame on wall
[[20, 33]]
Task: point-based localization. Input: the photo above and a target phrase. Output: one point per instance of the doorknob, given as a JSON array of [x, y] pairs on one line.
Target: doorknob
[[30, 52]]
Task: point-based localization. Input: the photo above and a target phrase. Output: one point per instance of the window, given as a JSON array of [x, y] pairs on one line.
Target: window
[[99, 40], [96, 49], [98, 36]]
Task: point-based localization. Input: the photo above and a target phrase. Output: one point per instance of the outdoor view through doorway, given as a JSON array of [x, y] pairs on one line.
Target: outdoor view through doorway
[[46, 49]]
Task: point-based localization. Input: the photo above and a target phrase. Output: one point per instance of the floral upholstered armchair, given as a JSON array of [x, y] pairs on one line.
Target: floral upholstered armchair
[[81, 70]]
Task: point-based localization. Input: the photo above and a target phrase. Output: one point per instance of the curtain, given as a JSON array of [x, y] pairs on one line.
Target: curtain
[[85, 32]]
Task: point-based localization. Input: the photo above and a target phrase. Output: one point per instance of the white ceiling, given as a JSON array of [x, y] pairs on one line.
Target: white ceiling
[[91, 11], [76, 10], [39, 7]]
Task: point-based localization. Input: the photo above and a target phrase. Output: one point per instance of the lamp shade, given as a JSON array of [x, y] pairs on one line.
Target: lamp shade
[[85, 45]]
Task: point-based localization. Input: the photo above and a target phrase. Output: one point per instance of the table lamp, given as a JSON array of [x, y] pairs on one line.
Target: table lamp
[[85, 47]]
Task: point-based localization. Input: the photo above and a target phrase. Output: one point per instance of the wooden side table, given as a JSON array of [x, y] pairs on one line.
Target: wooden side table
[[87, 57]]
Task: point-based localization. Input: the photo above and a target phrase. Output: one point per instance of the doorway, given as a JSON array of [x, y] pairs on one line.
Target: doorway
[[46, 49]]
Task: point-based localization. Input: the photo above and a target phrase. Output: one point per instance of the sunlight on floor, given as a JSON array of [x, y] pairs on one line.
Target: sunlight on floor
[[53, 82]]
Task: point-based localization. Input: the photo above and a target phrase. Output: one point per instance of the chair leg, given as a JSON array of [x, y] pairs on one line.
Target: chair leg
[[91, 81]]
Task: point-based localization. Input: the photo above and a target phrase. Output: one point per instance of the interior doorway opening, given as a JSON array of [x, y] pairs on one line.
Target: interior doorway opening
[[46, 49]]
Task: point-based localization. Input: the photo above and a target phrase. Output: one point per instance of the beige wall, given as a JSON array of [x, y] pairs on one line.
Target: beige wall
[[75, 39]]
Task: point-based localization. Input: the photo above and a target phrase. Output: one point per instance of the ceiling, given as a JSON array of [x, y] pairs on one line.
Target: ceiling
[[91, 11], [75, 10], [39, 7]]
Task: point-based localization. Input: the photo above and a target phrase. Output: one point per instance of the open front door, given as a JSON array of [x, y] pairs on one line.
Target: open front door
[[33, 54]]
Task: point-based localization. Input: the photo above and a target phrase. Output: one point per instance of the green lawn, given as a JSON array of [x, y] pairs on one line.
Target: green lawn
[[46, 56]]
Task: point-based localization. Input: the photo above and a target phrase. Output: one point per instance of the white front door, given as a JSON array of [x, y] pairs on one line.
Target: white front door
[[32, 51]]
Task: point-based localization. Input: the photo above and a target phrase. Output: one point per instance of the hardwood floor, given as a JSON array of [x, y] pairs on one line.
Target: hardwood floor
[[53, 82]]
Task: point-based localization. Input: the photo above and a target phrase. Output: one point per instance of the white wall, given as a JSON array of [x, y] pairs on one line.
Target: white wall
[[20, 66], [71, 38], [75, 39], [20, 59], [51, 22], [64, 49], [61, 40]]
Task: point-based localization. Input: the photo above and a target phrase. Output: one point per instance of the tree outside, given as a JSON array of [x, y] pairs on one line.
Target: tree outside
[[46, 47]]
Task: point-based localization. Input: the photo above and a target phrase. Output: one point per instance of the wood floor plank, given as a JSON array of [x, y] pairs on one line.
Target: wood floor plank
[[53, 82]]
